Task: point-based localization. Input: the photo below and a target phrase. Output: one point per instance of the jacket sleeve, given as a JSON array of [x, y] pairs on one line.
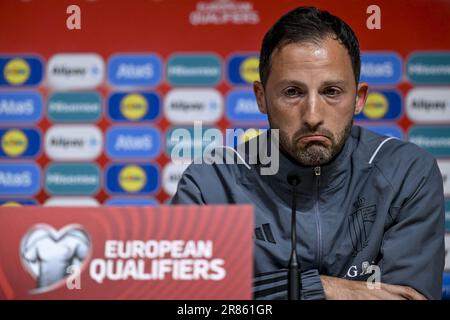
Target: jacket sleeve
[[188, 191], [413, 246], [274, 285]]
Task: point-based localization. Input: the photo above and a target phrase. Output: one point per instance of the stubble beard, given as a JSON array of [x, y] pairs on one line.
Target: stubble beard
[[314, 153]]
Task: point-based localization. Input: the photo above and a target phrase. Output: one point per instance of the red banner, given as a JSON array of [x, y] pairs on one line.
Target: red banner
[[179, 252]]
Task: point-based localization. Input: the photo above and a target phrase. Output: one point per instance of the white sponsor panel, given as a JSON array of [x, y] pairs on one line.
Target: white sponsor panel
[[428, 105], [75, 71], [444, 167], [73, 142], [447, 252], [184, 106], [71, 202], [171, 176]]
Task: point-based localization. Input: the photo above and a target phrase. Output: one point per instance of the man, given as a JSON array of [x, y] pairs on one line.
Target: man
[[365, 202]]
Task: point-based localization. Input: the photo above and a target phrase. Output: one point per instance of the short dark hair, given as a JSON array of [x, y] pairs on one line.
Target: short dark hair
[[307, 24]]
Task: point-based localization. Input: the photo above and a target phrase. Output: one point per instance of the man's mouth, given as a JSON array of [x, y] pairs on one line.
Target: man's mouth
[[313, 138]]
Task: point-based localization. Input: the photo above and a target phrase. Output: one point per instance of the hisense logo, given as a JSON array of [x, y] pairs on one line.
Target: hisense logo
[[74, 179], [181, 70]]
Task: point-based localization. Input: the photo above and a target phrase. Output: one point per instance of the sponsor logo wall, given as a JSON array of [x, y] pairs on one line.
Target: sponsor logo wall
[[92, 125], [92, 134]]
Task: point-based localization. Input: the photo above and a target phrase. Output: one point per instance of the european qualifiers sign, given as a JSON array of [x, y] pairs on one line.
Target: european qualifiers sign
[[177, 252]]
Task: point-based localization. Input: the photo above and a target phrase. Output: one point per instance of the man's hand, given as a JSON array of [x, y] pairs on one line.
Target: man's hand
[[342, 289]]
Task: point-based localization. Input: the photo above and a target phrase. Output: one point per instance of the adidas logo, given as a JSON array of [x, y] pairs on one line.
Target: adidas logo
[[264, 233]]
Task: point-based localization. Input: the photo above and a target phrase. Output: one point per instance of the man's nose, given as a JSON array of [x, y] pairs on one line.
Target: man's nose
[[312, 111]]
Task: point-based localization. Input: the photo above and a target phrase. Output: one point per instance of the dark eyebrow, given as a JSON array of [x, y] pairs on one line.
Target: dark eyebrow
[[298, 83], [334, 83]]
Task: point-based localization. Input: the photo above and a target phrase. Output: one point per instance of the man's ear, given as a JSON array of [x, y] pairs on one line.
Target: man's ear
[[258, 89], [361, 96]]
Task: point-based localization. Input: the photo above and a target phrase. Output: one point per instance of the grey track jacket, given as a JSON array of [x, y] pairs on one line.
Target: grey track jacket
[[379, 202]]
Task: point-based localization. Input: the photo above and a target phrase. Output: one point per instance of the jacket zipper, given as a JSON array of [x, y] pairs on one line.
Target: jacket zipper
[[317, 172]]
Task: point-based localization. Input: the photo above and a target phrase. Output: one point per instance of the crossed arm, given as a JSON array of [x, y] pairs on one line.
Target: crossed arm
[[342, 289]]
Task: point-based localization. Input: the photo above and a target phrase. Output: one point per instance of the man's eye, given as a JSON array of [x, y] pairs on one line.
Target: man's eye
[[292, 92], [332, 92]]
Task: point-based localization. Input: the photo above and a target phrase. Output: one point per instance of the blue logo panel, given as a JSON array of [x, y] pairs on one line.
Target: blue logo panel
[[20, 107], [22, 202], [152, 103], [129, 142], [446, 286], [384, 68], [11, 139], [242, 106], [135, 70], [19, 179], [243, 69], [391, 103], [20, 71], [119, 182]]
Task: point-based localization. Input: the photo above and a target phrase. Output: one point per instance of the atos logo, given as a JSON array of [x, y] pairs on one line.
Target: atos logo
[[19, 179], [20, 107], [135, 70], [129, 142], [384, 68], [241, 106]]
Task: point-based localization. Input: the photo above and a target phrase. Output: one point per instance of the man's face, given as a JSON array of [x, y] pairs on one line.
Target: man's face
[[311, 97]]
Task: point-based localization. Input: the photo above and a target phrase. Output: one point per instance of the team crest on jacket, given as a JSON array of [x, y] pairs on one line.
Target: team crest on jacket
[[360, 222]]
